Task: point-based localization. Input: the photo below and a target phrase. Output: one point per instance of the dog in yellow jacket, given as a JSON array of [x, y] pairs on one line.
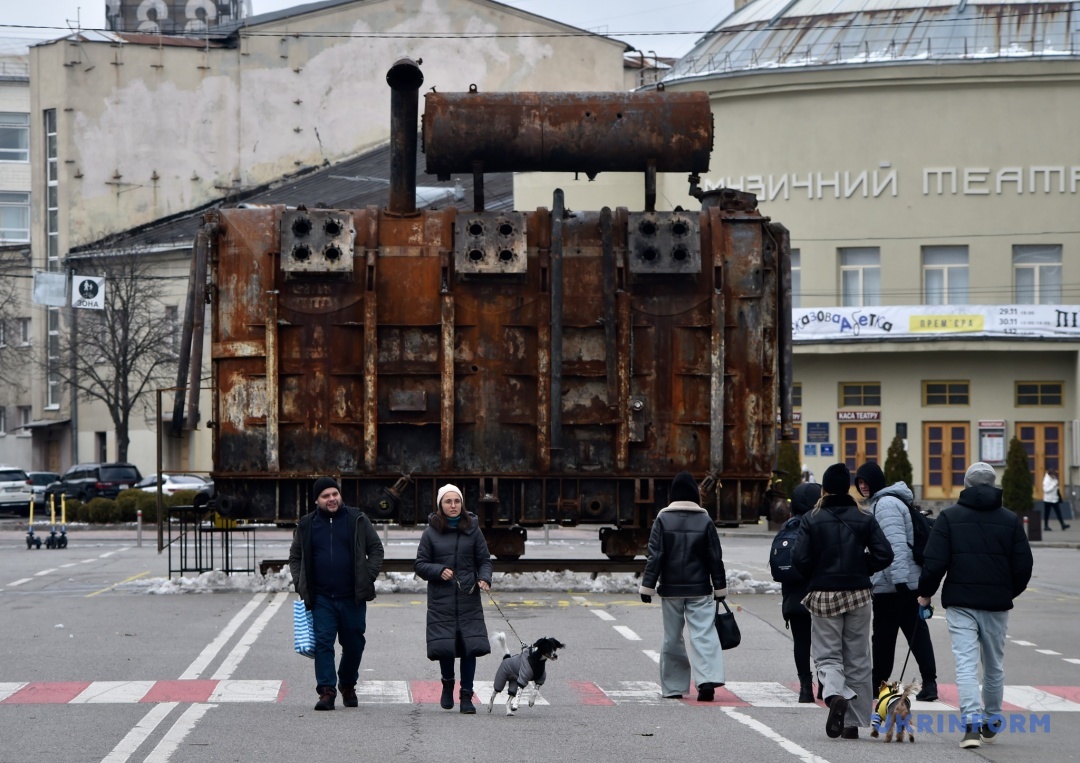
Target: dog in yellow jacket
[[893, 707]]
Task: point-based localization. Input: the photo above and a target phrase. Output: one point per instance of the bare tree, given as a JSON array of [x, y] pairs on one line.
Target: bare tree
[[122, 354], [16, 362]]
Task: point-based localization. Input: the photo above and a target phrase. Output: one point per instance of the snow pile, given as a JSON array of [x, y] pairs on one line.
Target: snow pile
[[216, 581]]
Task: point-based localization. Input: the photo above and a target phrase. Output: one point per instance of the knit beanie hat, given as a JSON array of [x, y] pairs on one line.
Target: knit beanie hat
[[447, 488], [979, 473], [684, 488], [836, 480], [322, 484], [873, 476], [804, 497]]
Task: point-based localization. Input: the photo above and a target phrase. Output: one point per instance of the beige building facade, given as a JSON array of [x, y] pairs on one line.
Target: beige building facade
[[16, 328], [925, 164]]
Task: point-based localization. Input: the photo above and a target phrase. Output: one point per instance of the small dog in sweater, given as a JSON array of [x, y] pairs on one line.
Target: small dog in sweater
[[518, 671]]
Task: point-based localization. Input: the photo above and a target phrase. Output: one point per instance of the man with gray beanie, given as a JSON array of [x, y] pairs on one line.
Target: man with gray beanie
[[980, 549], [334, 559]]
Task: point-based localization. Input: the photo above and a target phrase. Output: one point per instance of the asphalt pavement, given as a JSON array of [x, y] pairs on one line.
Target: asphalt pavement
[[95, 668]]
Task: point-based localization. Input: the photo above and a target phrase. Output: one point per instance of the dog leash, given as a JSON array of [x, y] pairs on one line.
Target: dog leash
[[504, 617]]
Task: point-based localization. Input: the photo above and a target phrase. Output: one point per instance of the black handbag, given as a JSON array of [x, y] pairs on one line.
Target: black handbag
[[726, 627]]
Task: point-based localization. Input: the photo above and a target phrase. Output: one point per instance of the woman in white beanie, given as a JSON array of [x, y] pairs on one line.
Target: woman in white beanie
[[453, 558]]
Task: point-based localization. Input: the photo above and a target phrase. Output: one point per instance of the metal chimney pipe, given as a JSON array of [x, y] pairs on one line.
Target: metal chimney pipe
[[404, 79]]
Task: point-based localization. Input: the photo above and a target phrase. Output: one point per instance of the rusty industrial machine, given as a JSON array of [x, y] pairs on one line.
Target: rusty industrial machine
[[559, 366]]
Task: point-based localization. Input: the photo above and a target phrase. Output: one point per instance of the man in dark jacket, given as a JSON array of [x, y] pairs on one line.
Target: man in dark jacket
[[981, 550], [334, 559], [686, 558]]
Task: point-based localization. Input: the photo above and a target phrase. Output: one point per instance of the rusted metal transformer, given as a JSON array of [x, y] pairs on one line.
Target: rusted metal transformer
[[559, 367]]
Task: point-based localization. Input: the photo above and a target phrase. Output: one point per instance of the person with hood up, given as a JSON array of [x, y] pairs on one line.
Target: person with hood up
[[838, 547], [686, 568], [980, 549], [895, 587], [796, 616], [453, 558], [334, 559]]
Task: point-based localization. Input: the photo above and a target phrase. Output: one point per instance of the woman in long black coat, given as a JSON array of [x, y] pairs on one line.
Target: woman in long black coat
[[453, 558]]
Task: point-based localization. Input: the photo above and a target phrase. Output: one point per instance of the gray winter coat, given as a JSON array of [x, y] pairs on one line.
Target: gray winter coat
[[454, 606], [367, 556], [891, 512]]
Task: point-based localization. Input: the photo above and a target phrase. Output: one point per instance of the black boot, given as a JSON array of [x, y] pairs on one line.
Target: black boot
[[806, 688], [465, 697], [446, 701], [928, 693], [327, 695]]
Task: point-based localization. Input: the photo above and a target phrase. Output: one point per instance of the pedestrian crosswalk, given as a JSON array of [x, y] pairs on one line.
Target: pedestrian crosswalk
[[763, 694]]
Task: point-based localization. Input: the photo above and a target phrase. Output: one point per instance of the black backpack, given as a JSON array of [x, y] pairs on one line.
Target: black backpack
[[921, 524], [783, 571]]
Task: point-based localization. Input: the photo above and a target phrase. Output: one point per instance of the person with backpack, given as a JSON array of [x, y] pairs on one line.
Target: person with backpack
[[895, 588], [792, 585], [838, 547]]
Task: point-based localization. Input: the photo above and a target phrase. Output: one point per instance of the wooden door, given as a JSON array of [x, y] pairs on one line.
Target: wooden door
[[861, 443], [946, 457], [1044, 442]]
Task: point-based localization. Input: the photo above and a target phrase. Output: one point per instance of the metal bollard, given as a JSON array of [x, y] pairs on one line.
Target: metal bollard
[[138, 528]]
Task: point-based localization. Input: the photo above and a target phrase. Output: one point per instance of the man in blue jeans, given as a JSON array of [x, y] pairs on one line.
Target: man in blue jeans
[[334, 559], [981, 550]]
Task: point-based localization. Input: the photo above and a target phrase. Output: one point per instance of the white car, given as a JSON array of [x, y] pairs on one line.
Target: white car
[[173, 483], [14, 492]]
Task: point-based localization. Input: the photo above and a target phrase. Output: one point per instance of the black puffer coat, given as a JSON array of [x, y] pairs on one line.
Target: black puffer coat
[[981, 551], [839, 547], [454, 606]]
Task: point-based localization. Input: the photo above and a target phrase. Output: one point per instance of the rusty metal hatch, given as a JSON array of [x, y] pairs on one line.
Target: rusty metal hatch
[[664, 242], [491, 243], [317, 241]]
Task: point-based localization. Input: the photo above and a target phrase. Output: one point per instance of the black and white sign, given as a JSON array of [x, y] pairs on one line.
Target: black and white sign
[[88, 292]]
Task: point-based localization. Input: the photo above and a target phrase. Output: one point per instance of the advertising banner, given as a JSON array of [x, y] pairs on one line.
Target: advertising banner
[[936, 322]]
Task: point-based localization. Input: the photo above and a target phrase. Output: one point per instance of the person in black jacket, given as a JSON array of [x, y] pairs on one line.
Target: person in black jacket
[[334, 559], [981, 551], [796, 616], [453, 558], [838, 547], [686, 558]]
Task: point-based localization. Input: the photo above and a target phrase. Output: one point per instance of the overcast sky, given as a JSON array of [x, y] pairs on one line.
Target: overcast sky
[[636, 22]]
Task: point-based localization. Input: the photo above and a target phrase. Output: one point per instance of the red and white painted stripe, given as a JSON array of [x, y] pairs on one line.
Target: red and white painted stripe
[[735, 694]]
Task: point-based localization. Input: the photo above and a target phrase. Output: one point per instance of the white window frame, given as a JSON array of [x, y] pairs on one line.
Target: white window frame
[[3, 421], [52, 347], [950, 264], [868, 270], [18, 124], [3, 333], [1044, 263], [12, 203], [25, 416], [24, 331]]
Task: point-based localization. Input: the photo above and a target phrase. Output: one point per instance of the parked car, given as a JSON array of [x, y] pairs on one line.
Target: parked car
[[14, 492], [174, 482], [38, 481], [88, 481]]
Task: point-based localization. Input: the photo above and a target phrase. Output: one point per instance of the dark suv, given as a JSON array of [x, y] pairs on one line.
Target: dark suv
[[86, 481]]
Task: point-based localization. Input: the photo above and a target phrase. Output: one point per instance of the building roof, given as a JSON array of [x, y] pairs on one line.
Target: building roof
[[786, 34], [321, 5], [352, 184]]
